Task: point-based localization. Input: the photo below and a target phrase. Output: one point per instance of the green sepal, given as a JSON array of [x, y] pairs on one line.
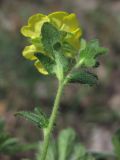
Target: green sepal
[[83, 77], [89, 52], [37, 117], [51, 38], [47, 62]]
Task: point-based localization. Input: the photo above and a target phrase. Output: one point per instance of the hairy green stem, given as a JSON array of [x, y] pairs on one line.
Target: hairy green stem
[[51, 121]]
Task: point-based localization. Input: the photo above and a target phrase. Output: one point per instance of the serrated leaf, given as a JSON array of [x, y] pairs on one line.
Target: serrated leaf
[[47, 62], [51, 38], [65, 143], [116, 143], [38, 119], [88, 55], [83, 77]]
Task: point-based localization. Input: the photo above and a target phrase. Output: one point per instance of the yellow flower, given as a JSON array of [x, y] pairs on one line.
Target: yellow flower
[[62, 21]]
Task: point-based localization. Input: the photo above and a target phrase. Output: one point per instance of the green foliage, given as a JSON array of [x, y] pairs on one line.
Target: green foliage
[[116, 143], [56, 62], [65, 148], [56, 59], [65, 143], [79, 152], [83, 77], [89, 52], [37, 117], [9, 145]]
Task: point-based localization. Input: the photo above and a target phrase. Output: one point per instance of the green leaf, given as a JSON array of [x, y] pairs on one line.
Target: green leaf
[[9, 141], [37, 117], [116, 143], [65, 143], [8, 146], [88, 54], [79, 152], [51, 38], [47, 62], [83, 77]]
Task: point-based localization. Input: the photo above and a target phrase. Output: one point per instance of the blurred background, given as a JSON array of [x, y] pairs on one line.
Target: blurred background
[[94, 112]]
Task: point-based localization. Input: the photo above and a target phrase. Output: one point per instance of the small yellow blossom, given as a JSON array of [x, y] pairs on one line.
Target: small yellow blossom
[[62, 21]]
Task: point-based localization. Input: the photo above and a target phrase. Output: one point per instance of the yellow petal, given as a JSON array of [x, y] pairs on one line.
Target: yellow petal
[[70, 23], [40, 67], [56, 18], [74, 38], [38, 44], [27, 31], [29, 51], [77, 33], [35, 18], [33, 29]]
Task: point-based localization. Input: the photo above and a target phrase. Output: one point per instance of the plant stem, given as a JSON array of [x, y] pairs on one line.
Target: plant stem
[[52, 121]]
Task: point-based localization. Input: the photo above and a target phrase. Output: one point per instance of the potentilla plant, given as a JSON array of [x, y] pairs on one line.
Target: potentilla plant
[[57, 48]]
